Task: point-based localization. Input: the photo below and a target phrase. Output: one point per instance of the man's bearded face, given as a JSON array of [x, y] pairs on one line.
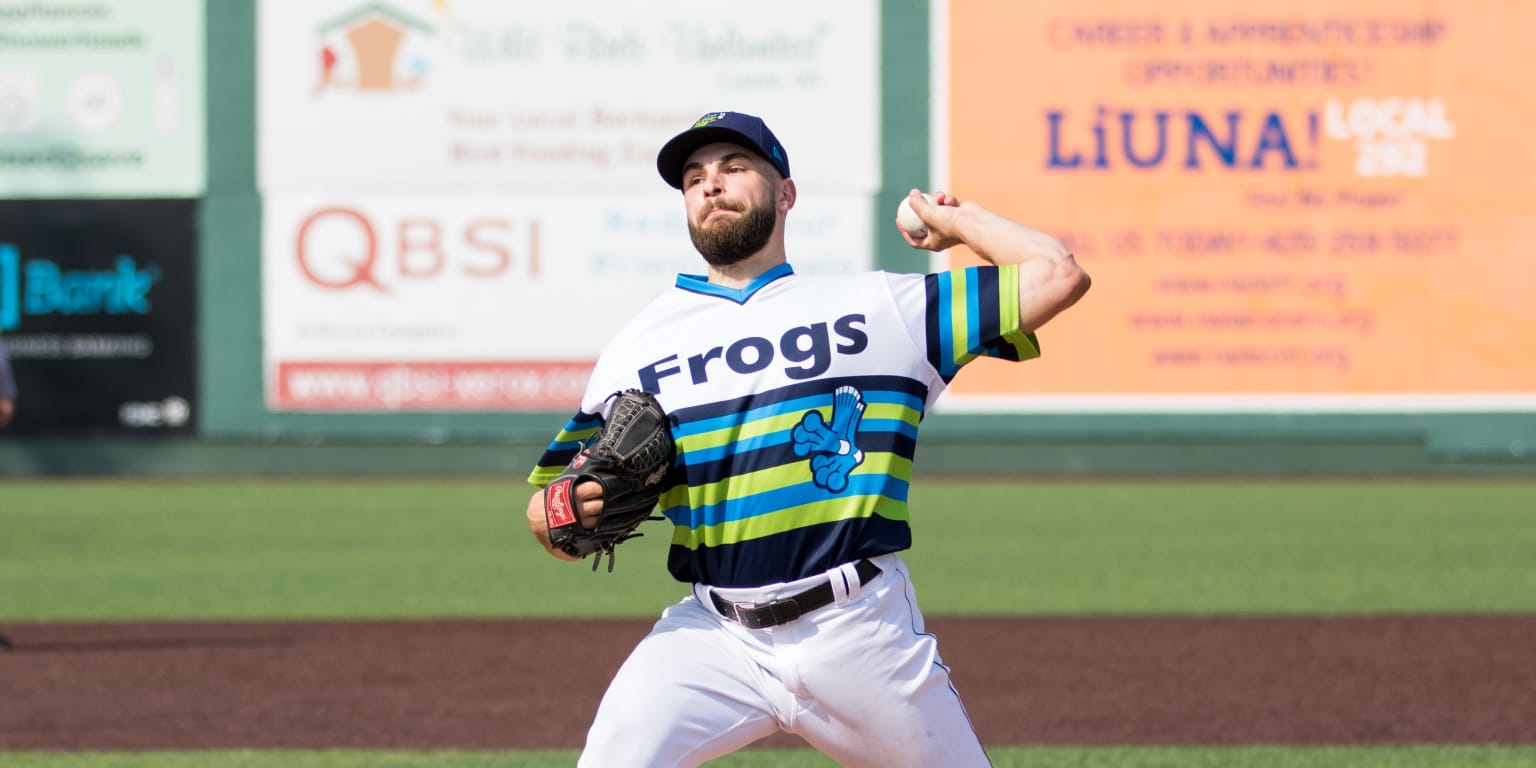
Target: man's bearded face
[[729, 239]]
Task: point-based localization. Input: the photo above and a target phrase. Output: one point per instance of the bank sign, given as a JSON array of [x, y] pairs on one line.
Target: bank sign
[[97, 313]]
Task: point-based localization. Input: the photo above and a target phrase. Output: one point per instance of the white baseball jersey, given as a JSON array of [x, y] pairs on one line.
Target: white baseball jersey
[[796, 403]]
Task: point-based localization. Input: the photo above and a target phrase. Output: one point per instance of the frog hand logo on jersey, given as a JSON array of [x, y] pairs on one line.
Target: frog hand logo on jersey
[[831, 446]]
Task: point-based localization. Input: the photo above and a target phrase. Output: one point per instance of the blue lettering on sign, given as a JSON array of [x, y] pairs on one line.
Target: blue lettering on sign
[[42, 287], [10, 287], [1143, 139], [120, 291]]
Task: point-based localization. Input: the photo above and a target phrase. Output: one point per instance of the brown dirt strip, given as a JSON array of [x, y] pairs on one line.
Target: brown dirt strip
[[497, 685]]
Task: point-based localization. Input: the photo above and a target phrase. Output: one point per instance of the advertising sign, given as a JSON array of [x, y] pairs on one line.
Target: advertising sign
[[484, 95], [102, 99], [98, 312], [385, 304], [1293, 208]]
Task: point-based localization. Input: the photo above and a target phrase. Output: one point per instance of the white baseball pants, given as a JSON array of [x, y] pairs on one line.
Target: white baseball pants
[[859, 680]]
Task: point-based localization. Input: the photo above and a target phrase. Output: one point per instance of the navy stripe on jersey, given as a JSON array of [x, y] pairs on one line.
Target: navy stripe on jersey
[[769, 502], [875, 436], [738, 408], [984, 292], [1002, 350], [821, 547], [931, 334], [972, 294], [564, 447]]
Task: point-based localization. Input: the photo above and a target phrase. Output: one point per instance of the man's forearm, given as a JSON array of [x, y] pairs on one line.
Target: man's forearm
[[1050, 279], [1000, 240]]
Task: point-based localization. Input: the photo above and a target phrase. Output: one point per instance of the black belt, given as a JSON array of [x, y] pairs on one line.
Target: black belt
[[785, 610]]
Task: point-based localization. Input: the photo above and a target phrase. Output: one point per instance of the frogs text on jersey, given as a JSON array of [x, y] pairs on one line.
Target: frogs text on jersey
[[807, 349]]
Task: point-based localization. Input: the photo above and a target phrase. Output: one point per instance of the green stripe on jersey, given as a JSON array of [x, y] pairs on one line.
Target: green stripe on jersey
[[789, 519], [747, 484], [544, 473], [786, 422]]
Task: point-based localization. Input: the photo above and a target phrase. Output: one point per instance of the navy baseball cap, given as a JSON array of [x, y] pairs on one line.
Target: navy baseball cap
[[735, 127]]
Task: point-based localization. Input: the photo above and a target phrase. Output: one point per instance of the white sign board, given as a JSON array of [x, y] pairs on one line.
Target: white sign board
[[490, 96], [102, 99], [481, 303]]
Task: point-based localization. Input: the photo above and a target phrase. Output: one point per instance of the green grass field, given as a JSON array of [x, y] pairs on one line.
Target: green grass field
[[434, 548], [423, 548]]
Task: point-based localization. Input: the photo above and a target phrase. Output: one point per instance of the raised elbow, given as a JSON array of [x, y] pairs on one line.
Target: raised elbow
[[1067, 283], [1078, 282]]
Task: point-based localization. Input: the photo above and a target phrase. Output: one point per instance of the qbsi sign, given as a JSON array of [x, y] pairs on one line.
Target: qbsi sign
[[382, 304], [98, 314]]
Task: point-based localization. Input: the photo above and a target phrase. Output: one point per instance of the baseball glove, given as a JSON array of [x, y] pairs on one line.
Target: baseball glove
[[630, 457]]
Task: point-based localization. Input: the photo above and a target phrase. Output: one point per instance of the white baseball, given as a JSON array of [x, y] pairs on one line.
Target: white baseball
[[907, 219]]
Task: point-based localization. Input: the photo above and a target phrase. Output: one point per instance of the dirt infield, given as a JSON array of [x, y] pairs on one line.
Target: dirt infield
[[492, 685]]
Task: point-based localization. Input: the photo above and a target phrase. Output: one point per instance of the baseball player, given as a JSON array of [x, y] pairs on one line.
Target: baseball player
[[794, 403], [7, 409], [7, 388]]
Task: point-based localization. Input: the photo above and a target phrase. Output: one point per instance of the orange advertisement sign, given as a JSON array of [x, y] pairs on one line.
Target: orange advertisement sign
[[1307, 204]]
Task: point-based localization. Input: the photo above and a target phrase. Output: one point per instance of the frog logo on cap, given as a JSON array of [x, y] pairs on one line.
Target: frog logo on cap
[[708, 118]]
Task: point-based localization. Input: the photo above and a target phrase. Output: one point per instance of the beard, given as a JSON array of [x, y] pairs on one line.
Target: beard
[[729, 241]]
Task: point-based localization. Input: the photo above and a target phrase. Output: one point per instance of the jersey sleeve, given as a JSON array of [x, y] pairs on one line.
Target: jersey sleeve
[[582, 426], [964, 314], [564, 447]]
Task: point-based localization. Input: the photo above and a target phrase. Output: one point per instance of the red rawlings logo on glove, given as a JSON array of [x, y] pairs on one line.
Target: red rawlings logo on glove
[[557, 503]]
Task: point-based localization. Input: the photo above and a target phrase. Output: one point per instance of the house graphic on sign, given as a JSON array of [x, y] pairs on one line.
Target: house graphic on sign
[[369, 48]]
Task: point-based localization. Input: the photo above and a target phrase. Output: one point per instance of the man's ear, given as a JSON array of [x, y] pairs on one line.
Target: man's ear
[[786, 197]]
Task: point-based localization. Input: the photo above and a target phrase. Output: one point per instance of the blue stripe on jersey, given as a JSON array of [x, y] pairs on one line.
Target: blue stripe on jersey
[[821, 547], [877, 429], [887, 387], [715, 464], [564, 447], [949, 348], [700, 284], [688, 428], [946, 326]]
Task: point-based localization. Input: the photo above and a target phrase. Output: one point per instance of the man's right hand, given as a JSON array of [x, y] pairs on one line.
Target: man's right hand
[[589, 499]]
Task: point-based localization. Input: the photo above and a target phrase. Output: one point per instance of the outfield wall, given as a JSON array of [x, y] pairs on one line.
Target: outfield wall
[[1011, 126]]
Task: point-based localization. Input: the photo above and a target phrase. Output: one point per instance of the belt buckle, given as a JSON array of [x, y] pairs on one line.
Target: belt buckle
[[745, 615], [741, 613], [763, 615]]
